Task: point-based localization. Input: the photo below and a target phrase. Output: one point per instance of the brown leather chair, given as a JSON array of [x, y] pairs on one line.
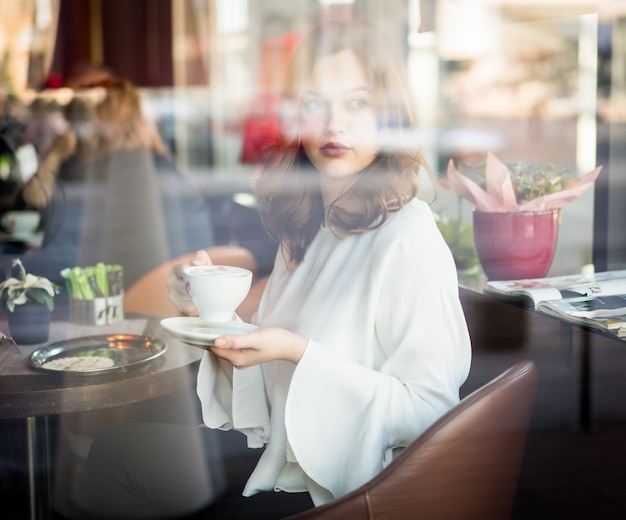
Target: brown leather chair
[[465, 466]]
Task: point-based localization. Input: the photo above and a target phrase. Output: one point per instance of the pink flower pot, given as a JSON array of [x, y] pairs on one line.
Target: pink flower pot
[[516, 245]]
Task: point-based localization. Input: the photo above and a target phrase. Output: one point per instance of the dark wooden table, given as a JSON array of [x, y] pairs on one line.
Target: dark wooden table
[[34, 395], [494, 318]]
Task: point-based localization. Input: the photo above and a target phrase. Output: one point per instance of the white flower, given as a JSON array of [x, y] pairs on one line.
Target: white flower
[[38, 282], [18, 291]]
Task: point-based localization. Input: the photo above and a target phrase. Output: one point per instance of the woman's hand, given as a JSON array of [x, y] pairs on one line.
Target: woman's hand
[[259, 346], [176, 291]]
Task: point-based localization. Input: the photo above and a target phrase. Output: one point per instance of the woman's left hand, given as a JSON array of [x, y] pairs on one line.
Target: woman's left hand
[[259, 346]]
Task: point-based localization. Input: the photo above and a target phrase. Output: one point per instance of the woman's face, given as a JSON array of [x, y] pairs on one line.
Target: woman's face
[[338, 117]]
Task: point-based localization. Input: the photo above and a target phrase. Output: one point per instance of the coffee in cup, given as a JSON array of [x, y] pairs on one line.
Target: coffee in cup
[[217, 290]]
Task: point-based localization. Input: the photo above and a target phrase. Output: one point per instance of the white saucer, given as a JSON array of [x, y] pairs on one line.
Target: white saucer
[[198, 332]]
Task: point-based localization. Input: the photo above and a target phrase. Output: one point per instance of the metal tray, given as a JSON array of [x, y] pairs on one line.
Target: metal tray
[[125, 350]]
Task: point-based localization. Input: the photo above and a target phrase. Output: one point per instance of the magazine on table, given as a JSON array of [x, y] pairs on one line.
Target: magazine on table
[[596, 300], [573, 309], [537, 290]]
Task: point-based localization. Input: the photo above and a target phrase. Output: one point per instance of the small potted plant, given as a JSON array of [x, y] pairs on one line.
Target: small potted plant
[[28, 301], [517, 211]]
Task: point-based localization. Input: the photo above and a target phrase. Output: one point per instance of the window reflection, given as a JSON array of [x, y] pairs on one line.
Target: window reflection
[[485, 76], [538, 82]]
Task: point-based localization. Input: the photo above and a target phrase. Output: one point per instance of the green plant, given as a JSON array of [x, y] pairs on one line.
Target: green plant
[[494, 186], [460, 239], [530, 181], [27, 287]]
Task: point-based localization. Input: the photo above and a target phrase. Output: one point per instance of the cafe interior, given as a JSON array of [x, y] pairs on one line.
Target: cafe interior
[[541, 82]]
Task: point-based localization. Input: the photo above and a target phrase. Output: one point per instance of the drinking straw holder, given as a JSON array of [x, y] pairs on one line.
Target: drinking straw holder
[[96, 294], [99, 311]]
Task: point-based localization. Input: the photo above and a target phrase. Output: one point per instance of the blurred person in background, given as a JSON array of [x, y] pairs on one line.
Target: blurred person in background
[[34, 140], [116, 185], [127, 204]]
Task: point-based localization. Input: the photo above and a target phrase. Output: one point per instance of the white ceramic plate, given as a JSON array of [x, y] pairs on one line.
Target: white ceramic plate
[[200, 333]]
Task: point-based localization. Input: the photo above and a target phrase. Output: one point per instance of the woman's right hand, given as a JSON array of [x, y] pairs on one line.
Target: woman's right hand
[[176, 291]]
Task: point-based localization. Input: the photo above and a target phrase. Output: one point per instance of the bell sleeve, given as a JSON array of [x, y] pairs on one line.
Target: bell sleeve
[[234, 399]]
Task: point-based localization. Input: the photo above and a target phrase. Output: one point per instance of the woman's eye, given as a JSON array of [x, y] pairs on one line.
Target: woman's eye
[[357, 104], [313, 106]]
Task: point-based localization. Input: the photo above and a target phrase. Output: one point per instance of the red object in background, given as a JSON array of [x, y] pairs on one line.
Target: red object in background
[[260, 129], [517, 245], [261, 126], [54, 80]]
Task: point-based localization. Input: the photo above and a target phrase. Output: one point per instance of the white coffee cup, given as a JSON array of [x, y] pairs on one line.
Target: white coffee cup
[[217, 290], [20, 222]]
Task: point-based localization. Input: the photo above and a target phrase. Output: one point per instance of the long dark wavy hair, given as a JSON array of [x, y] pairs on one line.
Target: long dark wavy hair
[[289, 186]]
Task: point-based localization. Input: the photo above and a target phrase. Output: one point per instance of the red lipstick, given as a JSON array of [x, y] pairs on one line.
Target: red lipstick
[[333, 149]]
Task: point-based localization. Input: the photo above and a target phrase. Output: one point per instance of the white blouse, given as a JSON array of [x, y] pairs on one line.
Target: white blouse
[[388, 350]]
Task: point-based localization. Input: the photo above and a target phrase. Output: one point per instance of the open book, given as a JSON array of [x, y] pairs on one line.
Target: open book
[[597, 300]]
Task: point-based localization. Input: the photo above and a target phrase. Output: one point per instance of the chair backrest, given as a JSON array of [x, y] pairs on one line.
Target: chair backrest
[[148, 295], [465, 466]]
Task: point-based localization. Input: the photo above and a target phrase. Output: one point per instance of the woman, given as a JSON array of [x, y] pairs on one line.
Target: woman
[[362, 341]]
